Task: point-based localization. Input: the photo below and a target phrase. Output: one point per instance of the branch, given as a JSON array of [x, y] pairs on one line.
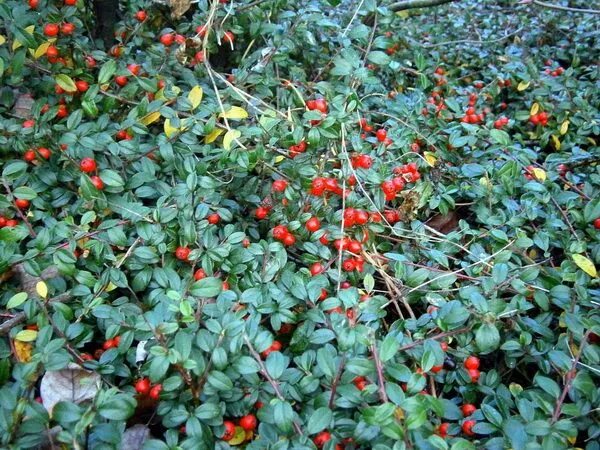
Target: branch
[[412, 4], [381, 380], [563, 8], [336, 381], [9, 324]]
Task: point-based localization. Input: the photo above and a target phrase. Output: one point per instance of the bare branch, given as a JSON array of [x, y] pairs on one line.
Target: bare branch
[[564, 8], [412, 4]]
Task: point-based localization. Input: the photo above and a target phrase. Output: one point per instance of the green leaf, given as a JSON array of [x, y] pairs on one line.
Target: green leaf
[[14, 170], [487, 338], [500, 137], [207, 287], [379, 58], [107, 70], [65, 82], [16, 300], [111, 178], [319, 420], [389, 347], [119, 407], [25, 193]]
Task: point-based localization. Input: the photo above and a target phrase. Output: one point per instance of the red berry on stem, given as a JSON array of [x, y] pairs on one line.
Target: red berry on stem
[[142, 386], [472, 362], [229, 432], [468, 409], [313, 224], [467, 427], [182, 253], [87, 165], [248, 422], [155, 392]]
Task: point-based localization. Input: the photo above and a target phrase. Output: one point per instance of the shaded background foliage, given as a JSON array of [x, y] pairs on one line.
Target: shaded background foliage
[[491, 252]]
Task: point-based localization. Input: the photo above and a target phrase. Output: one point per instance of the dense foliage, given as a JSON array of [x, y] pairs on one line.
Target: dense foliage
[[299, 224]]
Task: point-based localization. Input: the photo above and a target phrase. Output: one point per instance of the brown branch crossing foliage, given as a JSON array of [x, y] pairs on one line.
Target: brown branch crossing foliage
[[412, 4]]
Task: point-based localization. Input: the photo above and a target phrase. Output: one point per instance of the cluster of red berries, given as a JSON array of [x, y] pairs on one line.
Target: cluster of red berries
[[145, 388], [295, 150], [409, 172], [8, 223], [556, 72], [320, 186], [319, 104], [350, 264], [392, 48], [30, 155], [540, 118], [471, 116], [472, 366], [504, 83], [282, 234], [439, 75], [361, 161], [123, 135], [354, 216], [380, 134], [500, 122], [248, 423], [436, 100], [53, 29]]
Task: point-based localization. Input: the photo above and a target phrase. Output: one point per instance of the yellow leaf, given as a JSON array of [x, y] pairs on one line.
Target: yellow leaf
[[230, 137], [534, 109], [523, 85], [556, 142], [66, 82], [41, 50], [430, 158], [160, 95], [238, 437], [150, 118], [110, 287], [235, 113], [564, 127], [213, 135], [539, 174], [2, 39], [42, 289], [403, 14], [169, 129], [591, 140], [22, 351], [195, 96], [279, 158], [585, 264], [26, 335]]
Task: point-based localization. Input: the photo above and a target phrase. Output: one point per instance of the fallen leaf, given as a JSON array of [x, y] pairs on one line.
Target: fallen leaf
[[534, 109], [150, 118], [42, 289], [135, 437], [73, 384], [169, 129], [523, 85], [539, 174], [235, 113], [195, 96], [22, 351], [229, 138], [585, 264], [179, 7], [213, 135]]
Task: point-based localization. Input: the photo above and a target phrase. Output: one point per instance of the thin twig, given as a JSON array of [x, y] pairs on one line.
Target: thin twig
[[336, 381], [380, 379], [565, 8]]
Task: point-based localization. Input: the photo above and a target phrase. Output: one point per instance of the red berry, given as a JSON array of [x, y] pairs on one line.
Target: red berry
[[121, 80], [70, 2], [29, 155], [28, 123], [261, 212], [322, 438], [67, 28], [213, 218], [82, 85], [313, 224], [52, 52], [289, 240], [141, 15], [468, 409], [108, 344], [2, 221], [228, 37], [90, 62], [134, 69], [142, 386], [97, 182], [167, 39], [316, 269], [436, 369], [155, 392], [472, 362], [21, 203], [51, 29], [474, 375], [248, 422], [275, 347], [33, 4], [279, 185], [381, 135], [442, 429], [199, 274], [182, 253], [360, 383], [87, 165], [229, 432], [467, 427], [597, 223], [349, 265], [11, 223]]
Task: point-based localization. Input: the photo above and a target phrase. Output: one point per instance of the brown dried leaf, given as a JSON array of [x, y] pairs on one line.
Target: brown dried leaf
[[444, 223], [179, 7], [134, 437], [73, 384]]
